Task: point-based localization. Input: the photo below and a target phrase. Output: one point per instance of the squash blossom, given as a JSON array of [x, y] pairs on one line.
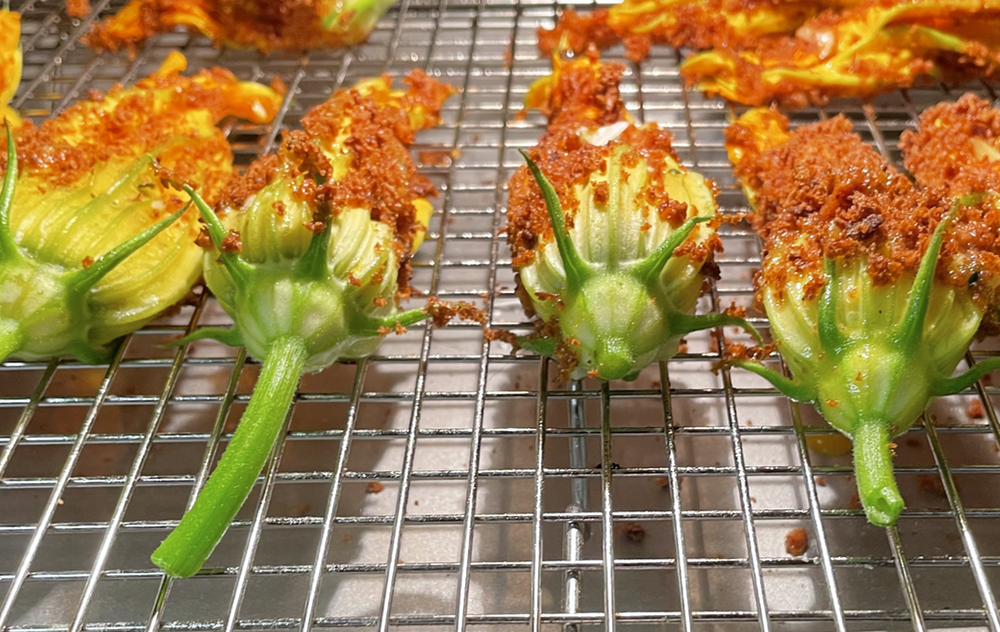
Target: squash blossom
[[290, 25], [859, 52], [698, 24], [92, 242], [310, 255], [612, 238], [872, 287]]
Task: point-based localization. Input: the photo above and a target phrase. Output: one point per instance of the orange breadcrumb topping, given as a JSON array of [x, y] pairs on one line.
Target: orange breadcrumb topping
[[825, 193], [292, 25], [127, 122], [582, 97], [77, 8], [169, 116], [678, 23], [441, 312], [578, 32], [942, 152], [579, 90]]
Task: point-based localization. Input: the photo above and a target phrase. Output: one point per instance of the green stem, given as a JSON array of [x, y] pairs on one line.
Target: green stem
[[873, 468], [615, 358], [10, 338], [185, 550]]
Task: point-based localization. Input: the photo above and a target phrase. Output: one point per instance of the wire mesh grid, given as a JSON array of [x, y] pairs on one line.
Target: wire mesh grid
[[446, 483]]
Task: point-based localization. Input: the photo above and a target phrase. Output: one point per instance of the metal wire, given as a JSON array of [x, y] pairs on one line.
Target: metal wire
[[437, 484]]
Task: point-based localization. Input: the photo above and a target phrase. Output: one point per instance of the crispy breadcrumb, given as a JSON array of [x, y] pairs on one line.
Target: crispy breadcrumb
[[952, 146], [825, 192]]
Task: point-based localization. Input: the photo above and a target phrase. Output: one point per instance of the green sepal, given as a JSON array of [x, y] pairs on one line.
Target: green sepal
[[911, 329], [871, 380], [229, 336], [238, 269], [961, 382], [830, 336], [84, 279], [85, 354], [8, 247], [648, 270], [577, 270], [537, 344], [407, 318], [789, 387], [314, 263], [681, 324], [371, 326]]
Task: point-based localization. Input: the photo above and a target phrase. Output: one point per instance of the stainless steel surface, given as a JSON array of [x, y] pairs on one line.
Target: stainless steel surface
[[510, 500]]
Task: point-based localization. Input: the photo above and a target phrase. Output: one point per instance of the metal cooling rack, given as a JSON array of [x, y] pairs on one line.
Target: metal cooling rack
[[445, 483]]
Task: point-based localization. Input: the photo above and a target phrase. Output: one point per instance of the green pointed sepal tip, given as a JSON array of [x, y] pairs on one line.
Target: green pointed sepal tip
[[8, 247], [84, 279], [228, 336], [648, 270], [314, 263], [911, 329], [261, 427], [238, 269], [791, 388], [577, 270]]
